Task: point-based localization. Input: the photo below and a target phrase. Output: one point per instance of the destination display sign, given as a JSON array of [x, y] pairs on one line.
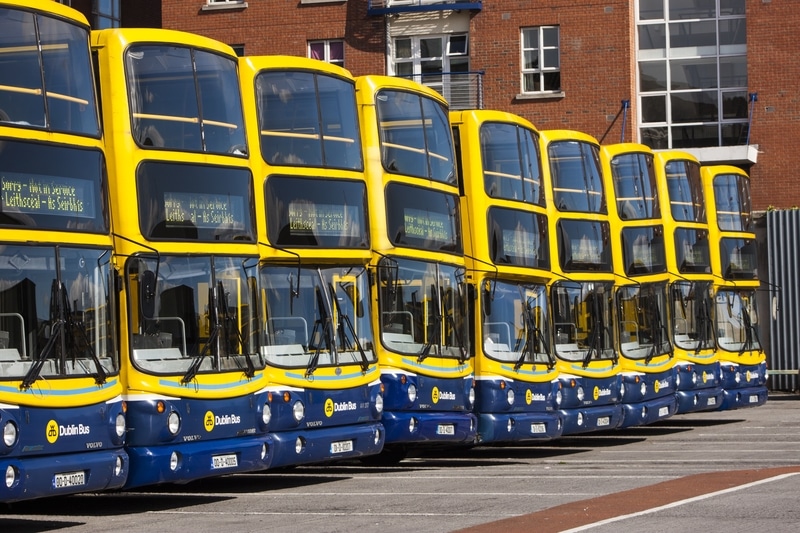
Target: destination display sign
[[306, 218], [37, 194], [427, 225], [204, 210]]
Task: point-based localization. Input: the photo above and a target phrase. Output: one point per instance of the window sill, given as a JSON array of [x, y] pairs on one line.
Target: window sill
[[224, 6], [540, 96], [323, 1]]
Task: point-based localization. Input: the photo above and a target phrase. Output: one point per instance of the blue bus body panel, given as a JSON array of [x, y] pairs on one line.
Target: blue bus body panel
[[326, 444], [208, 428], [658, 402], [440, 412], [749, 391], [532, 416], [598, 410], [698, 387], [588, 419], [54, 441]]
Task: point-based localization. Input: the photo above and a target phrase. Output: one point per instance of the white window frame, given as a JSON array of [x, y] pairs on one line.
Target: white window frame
[[327, 52], [540, 71]]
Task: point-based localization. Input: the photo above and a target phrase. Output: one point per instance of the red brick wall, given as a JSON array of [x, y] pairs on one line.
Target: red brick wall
[[285, 26], [774, 73]]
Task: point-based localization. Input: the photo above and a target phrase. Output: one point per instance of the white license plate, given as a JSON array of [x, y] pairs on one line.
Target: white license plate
[[753, 398], [342, 446], [445, 429], [664, 411], [224, 461], [603, 421], [69, 479], [712, 401], [538, 428]]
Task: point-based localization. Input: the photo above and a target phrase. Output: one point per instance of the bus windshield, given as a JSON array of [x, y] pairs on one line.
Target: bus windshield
[[635, 186], [510, 158], [55, 313], [195, 314], [308, 119], [515, 324], [643, 329], [415, 136], [45, 74], [582, 318], [422, 308], [185, 99], [316, 317], [692, 305], [685, 190], [737, 320]]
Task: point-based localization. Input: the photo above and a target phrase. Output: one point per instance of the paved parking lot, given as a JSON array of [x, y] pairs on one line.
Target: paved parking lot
[[731, 471]]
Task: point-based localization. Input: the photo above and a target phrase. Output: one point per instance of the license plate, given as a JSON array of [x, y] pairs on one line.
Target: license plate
[[754, 398], [538, 428], [445, 429], [712, 401], [224, 461], [664, 411], [603, 421], [69, 479], [342, 446]]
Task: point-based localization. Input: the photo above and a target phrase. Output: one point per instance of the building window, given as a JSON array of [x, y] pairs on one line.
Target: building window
[[328, 51], [692, 73], [438, 61], [541, 62], [106, 14]]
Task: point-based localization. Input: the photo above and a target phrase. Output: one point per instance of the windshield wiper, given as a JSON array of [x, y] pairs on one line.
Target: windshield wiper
[[750, 331], [213, 338], [230, 325], [595, 337], [323, 328], [73, 325], [344, 320], [436, 331], [532, 332]]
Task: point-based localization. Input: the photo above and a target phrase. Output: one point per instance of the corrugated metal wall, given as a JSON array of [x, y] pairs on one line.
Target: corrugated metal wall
[[783, 316]]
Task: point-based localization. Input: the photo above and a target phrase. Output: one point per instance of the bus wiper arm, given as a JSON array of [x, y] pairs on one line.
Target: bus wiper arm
[[36, 368], [322, 328], [344, 320], [216, 327], [436, 333], [230, 324]]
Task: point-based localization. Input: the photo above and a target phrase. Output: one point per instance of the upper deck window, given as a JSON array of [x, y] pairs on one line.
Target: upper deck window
[[46, 74], [635, 186], [732, 198], [185, 99], [685, 191], [415, 136], [423, 219], [511, 163], [584, 246], [308, 119], [576, 175]]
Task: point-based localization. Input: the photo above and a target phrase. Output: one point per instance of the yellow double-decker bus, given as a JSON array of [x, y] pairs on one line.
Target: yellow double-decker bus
[[418, 284], [186, 249], [311, 198], [507, 251], [691, 288], [582, 286], [734, 263], [61, 407], [643, 330]]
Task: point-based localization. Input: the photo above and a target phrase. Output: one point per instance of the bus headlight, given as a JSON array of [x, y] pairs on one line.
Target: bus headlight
[[621, 390], [510, 396], [738, 377], [9, 434], [558, 397], [118, 466], [173, 423], [298, 411], [694, 378], [379, 403], [11, 476], [471, 396], [412, 425], [581, 394], [677, 379], [119, 425], [174, 461], [643, 388], [412, 392], [266, 414], [580, 419]]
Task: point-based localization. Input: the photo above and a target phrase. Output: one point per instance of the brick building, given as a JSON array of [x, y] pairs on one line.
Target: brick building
[[718, 78]]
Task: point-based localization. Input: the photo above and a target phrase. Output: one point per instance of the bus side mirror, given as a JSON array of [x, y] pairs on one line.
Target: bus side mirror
[[147, 294]]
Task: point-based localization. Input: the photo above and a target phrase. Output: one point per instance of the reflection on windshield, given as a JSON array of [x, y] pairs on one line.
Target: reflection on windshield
[[642, 321], [737, 320], [421, 308], [195, 315], [515, 323], [693, 327], [316, 317], [582, 321], [55, 310]]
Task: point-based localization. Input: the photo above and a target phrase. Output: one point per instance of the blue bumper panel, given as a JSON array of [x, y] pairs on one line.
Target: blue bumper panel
[[505, 427], [326, 444], [589, 419], [431, 427]]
